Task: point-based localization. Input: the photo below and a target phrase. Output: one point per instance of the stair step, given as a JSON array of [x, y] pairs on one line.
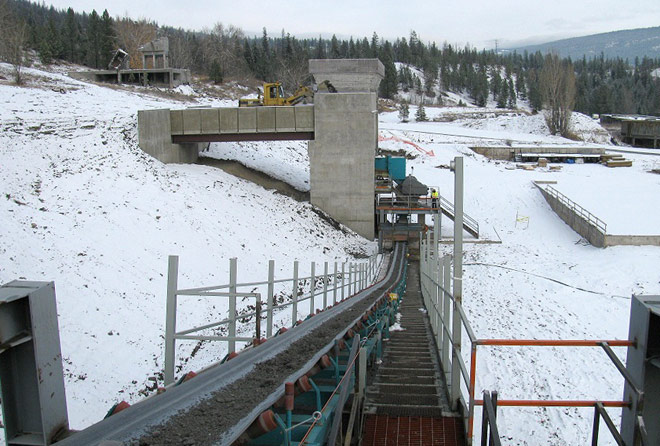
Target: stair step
[[405, 379], [408, 389], [416, 371], [405, 400]]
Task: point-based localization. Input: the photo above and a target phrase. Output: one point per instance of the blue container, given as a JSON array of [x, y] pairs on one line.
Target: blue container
[[395, 167]]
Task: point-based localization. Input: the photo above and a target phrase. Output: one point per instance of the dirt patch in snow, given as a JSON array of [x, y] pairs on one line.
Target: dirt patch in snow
[[262, 179]]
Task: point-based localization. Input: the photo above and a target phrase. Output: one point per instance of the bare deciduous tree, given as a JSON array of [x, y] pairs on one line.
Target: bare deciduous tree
[[181, 50], [558, 88], [132, 34], [224, 46]]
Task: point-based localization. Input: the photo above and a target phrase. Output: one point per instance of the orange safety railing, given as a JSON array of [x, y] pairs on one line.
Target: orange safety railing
[[448, 320], [605, 344]]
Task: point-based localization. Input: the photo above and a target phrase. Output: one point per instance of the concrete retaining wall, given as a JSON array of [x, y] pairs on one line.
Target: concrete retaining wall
[[591, 232], [579, 224], [508, 153], [632, 240]]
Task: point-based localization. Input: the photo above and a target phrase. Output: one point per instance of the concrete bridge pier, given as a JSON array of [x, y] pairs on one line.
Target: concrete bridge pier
[[155, 136], [346, 138]]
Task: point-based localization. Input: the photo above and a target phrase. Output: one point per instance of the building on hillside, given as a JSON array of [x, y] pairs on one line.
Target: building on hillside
[[641, 132], [155, 69], [156, 54], [636, 130]]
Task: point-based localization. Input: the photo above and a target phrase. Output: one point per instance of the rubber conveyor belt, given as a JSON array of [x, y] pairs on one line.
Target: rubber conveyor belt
[[155, 412]]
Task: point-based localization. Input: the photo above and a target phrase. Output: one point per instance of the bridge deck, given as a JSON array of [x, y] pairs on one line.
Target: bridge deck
[[242, 124]]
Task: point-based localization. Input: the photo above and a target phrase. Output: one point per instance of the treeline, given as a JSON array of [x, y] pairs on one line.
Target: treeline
[[225, 52]]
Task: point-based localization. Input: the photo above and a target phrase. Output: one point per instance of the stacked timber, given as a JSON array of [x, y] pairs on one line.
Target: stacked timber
[[611, 160]]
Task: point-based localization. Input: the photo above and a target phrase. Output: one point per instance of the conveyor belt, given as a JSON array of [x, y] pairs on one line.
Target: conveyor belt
[[166, 414]]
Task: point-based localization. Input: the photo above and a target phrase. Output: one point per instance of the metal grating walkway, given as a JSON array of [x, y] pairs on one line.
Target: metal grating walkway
[[407, 402], [384, 430]]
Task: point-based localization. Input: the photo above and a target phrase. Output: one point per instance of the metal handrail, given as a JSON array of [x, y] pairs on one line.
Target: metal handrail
[[579, 210], [599, 411], [360, 276], [489, 421], [425, 202], [433, 292]]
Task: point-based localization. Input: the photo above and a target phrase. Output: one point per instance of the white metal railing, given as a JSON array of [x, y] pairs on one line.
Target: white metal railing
[[577, 209], [448, 321], [331, 286]]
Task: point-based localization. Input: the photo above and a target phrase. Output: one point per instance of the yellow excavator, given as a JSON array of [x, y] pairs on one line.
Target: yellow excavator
[[273, 94]]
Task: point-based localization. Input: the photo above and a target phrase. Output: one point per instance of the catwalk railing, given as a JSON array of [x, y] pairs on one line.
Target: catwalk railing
[[320, 290], [423, 203], [449, 321]]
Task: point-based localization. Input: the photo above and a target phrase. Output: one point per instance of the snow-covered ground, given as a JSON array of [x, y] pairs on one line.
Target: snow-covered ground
[[510, 289], [83, 206]]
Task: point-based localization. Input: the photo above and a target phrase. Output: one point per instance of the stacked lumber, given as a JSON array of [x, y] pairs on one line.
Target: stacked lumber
[[611, 160]]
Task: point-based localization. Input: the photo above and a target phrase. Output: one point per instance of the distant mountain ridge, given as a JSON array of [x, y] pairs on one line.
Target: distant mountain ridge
[[626, 44]]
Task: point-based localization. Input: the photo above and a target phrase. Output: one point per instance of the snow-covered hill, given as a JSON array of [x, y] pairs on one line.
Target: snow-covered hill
[[83, 206], [626, 44]]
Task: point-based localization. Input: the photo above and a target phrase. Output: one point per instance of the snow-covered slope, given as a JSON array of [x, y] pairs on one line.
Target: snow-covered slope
[[509, 288], [83, 206]]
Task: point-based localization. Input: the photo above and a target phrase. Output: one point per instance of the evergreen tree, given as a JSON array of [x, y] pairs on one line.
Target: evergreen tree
[[430, 75], [320, 50], [513, 102], [215, 72], [334, 48], [520, 85], [404, 111], [50, 46], [533, 91], [108, 44], [389, 85], [352, 52], [71, 41], [420, 115], [503, 96], [375, 46], [418, 86], [94, 40]]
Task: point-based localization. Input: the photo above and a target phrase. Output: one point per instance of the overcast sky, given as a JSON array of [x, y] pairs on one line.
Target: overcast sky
[[479, 22]]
